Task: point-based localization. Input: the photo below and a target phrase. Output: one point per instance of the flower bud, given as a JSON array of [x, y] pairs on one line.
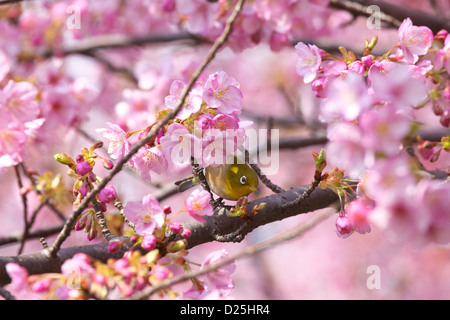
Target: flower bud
[[114, 246], [64, 159], [149, 242], [42, 285], [185, 233], [92, 234], [175, 226], [107, 164], [160, 272], [81, 223], [97, 145], [343, 226], [83, 168], [179, 261], [167, 210], [175, 246], [107, 194], [152, 257]]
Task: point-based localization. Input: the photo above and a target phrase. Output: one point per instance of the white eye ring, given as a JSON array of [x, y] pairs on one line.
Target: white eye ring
[[243, 180]]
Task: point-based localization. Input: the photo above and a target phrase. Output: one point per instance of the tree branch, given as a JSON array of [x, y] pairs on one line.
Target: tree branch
[[89, 45]]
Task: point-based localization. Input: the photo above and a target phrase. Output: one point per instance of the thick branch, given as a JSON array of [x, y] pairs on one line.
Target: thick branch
[[219, 224], [222, 224], [88, 45]]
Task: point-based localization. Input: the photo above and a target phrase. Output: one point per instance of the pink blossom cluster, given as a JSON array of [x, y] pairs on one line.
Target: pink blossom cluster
[[369, 105], [31, 112], [65, 99], [217, 284], [20, 120], [82, 277], [82, 170], [55, 24], [207, 128], [151, 221]]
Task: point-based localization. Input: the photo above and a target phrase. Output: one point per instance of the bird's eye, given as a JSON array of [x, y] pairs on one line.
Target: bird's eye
[[243, 180]]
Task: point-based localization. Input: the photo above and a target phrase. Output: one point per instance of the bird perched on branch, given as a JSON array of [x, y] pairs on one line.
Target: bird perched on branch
[[228, 181]]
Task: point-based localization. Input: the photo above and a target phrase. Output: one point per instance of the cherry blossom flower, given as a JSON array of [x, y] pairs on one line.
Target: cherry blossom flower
[[117, 139], [222, 93], [393, 82], [344, 227], [107, 194], [221, 277], [191, 104], [83, 168], [401, 220], [346, 98], [205, 121], [178, 144], [146, 215], [308, 62], [345, 150], [384, 129], [201, 16], [357, 213], [197, 205], [414, 41], [19, 286], [226, 121], [442, 57], [12, 145], [4, 65], [434, 197], [149, 242], [79, 263], [19, 98], [149, 159], [388, 179]]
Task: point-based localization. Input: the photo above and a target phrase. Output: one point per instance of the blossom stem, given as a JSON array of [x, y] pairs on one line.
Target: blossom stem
[[177, 213]]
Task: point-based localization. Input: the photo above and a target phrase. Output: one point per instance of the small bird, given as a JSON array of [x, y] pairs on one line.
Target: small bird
[[228, 181]]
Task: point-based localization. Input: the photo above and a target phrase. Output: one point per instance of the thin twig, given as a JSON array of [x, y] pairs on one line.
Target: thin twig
[[262, 176], [102, 221], [32, 234], [118, 204], [47, 202], [25, 209], [303, 196], [87, 46]]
